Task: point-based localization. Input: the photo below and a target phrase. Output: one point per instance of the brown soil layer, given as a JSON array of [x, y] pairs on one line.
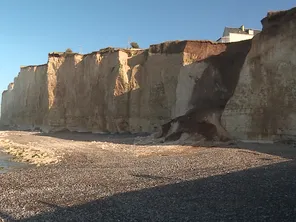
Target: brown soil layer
[[187, 47]]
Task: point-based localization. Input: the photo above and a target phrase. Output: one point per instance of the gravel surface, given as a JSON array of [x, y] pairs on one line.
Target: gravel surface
[[108, 178]]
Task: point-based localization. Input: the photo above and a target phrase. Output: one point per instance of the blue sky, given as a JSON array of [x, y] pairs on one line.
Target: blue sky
[[32, 28]]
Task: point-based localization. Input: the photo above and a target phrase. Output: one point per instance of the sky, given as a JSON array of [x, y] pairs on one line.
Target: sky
[[30, 29]]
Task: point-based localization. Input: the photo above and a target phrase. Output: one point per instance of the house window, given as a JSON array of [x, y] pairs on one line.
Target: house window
[[251, 32]]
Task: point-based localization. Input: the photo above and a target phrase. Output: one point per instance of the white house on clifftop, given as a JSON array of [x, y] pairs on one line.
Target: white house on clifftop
[[237, 34]]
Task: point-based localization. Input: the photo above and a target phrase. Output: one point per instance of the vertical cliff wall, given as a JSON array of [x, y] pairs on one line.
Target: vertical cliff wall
[[6, 105], [26, 101], [263, 106], [113, 90], [174, 87], [89, 93]]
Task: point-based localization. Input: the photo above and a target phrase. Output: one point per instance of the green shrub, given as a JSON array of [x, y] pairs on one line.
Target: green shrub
[[135, 45], [68, 50]]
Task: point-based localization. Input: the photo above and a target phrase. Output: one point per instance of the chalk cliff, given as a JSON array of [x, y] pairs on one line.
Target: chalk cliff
[[174, 88], [263, 105], [113, 90], [24, 103]]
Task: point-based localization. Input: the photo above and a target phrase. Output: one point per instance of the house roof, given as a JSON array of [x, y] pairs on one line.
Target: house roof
[[228, 30]]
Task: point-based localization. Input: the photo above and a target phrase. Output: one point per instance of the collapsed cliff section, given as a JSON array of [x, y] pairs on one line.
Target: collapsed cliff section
[[263, 105], [203, 89]]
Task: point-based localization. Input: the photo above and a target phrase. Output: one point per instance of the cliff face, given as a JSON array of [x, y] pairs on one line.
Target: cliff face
[[203, 89], [25, 102], [106, 91], [263, 105], [7, 101], [173, 87]]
